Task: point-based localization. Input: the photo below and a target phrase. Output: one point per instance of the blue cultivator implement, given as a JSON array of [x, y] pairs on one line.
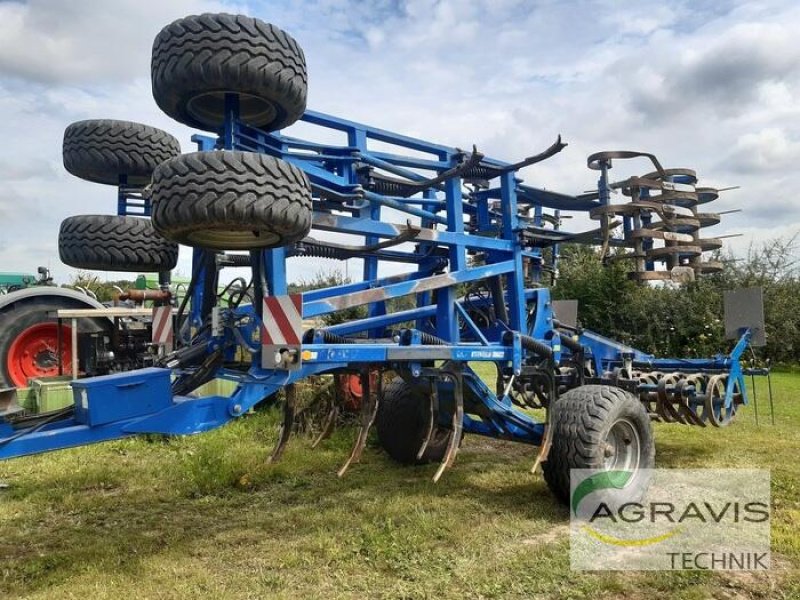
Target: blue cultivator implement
[[474, 247]]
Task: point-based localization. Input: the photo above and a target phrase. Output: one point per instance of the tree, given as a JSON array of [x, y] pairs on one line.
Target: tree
[[685, 320], [332, 278]]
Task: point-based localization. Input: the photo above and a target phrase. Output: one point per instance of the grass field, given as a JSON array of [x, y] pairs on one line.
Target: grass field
[[207, 517]]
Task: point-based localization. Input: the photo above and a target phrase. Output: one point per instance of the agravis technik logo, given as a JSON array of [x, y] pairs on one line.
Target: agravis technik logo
[[670, 519]]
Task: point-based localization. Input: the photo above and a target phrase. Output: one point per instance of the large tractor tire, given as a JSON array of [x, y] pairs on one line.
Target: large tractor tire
[[601, 428], [197, 60], [29, 340], [402, 424], [103, 150], [114, 243], [231, 201]]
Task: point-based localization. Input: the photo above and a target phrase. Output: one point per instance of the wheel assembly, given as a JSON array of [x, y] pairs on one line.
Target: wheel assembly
[[402, 425], [199, 59], [598, 427], [231, 201], [29, 339], [104, 150], [34, 353], [114, 243]]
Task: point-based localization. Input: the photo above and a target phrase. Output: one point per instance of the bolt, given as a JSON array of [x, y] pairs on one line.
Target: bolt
[[237, 409]]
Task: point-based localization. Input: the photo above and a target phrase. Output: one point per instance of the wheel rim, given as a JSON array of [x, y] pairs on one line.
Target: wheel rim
[[209, 108], [34, 353], [231, 239], [622, 448]]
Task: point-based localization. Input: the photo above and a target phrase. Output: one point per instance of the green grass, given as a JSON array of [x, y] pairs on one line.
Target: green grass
[[207, 517]]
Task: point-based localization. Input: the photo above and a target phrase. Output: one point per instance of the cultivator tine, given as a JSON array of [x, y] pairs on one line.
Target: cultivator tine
[[369, 408], [328, 425], [433, 419], [547, 440], [457, 426], [287, 425]]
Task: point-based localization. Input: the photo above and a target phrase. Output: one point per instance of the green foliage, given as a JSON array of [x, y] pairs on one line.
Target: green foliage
[[330, 279], [336, 278], [104, 290], [685, 320], [207, 516]]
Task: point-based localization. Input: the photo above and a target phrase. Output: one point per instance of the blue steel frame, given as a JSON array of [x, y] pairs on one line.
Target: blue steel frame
[[490, 221]]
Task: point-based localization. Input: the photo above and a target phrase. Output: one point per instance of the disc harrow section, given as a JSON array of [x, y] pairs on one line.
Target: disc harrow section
[[699, 398]]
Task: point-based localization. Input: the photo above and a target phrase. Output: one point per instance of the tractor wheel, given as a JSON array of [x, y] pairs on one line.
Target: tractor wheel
[[29, 341], [601, 428], [231, 201], [402, 423], [103, 150], [198, 59], [114, 243]]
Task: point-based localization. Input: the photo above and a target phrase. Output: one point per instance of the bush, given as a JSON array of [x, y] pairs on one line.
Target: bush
[[685, 320]]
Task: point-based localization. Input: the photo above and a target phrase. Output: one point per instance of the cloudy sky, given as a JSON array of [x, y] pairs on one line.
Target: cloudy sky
[[706, 85]]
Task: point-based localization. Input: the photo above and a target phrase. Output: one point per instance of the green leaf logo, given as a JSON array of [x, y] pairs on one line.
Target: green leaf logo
[[599, 481]]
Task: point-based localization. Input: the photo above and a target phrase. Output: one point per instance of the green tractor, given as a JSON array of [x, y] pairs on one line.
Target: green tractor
[[12, 282]]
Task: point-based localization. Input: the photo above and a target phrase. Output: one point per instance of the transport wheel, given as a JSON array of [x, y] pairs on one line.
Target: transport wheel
[[29, 341], [597, 427], [231, 201], [402, 424], [114, 243], [196, 60], [102, 150]]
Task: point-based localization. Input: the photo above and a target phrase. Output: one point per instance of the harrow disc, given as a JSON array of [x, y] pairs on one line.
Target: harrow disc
[[714, 409]]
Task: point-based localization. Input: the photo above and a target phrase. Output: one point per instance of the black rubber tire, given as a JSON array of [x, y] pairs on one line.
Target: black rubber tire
[[231, 201], [18, 317], [581, 420], [101, 150], [402, 423], [114, 243], [196, 60]]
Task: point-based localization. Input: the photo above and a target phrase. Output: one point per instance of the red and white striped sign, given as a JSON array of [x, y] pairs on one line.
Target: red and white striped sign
[[162, 325], [282, 322]]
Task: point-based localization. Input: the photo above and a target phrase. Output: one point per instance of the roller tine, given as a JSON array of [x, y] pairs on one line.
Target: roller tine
[[369, 408], [287, 425], [433, 417], [696, 403], [683, 393], [673, 380], [455, 434], [662, 402], [713, 388]]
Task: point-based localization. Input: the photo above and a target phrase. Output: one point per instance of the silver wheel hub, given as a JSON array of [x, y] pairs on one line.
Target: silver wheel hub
[[622, 447]]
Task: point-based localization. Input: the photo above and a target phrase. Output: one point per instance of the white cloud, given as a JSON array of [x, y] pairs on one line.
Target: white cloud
[[765, 151], [710, 86], [84, 41]]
